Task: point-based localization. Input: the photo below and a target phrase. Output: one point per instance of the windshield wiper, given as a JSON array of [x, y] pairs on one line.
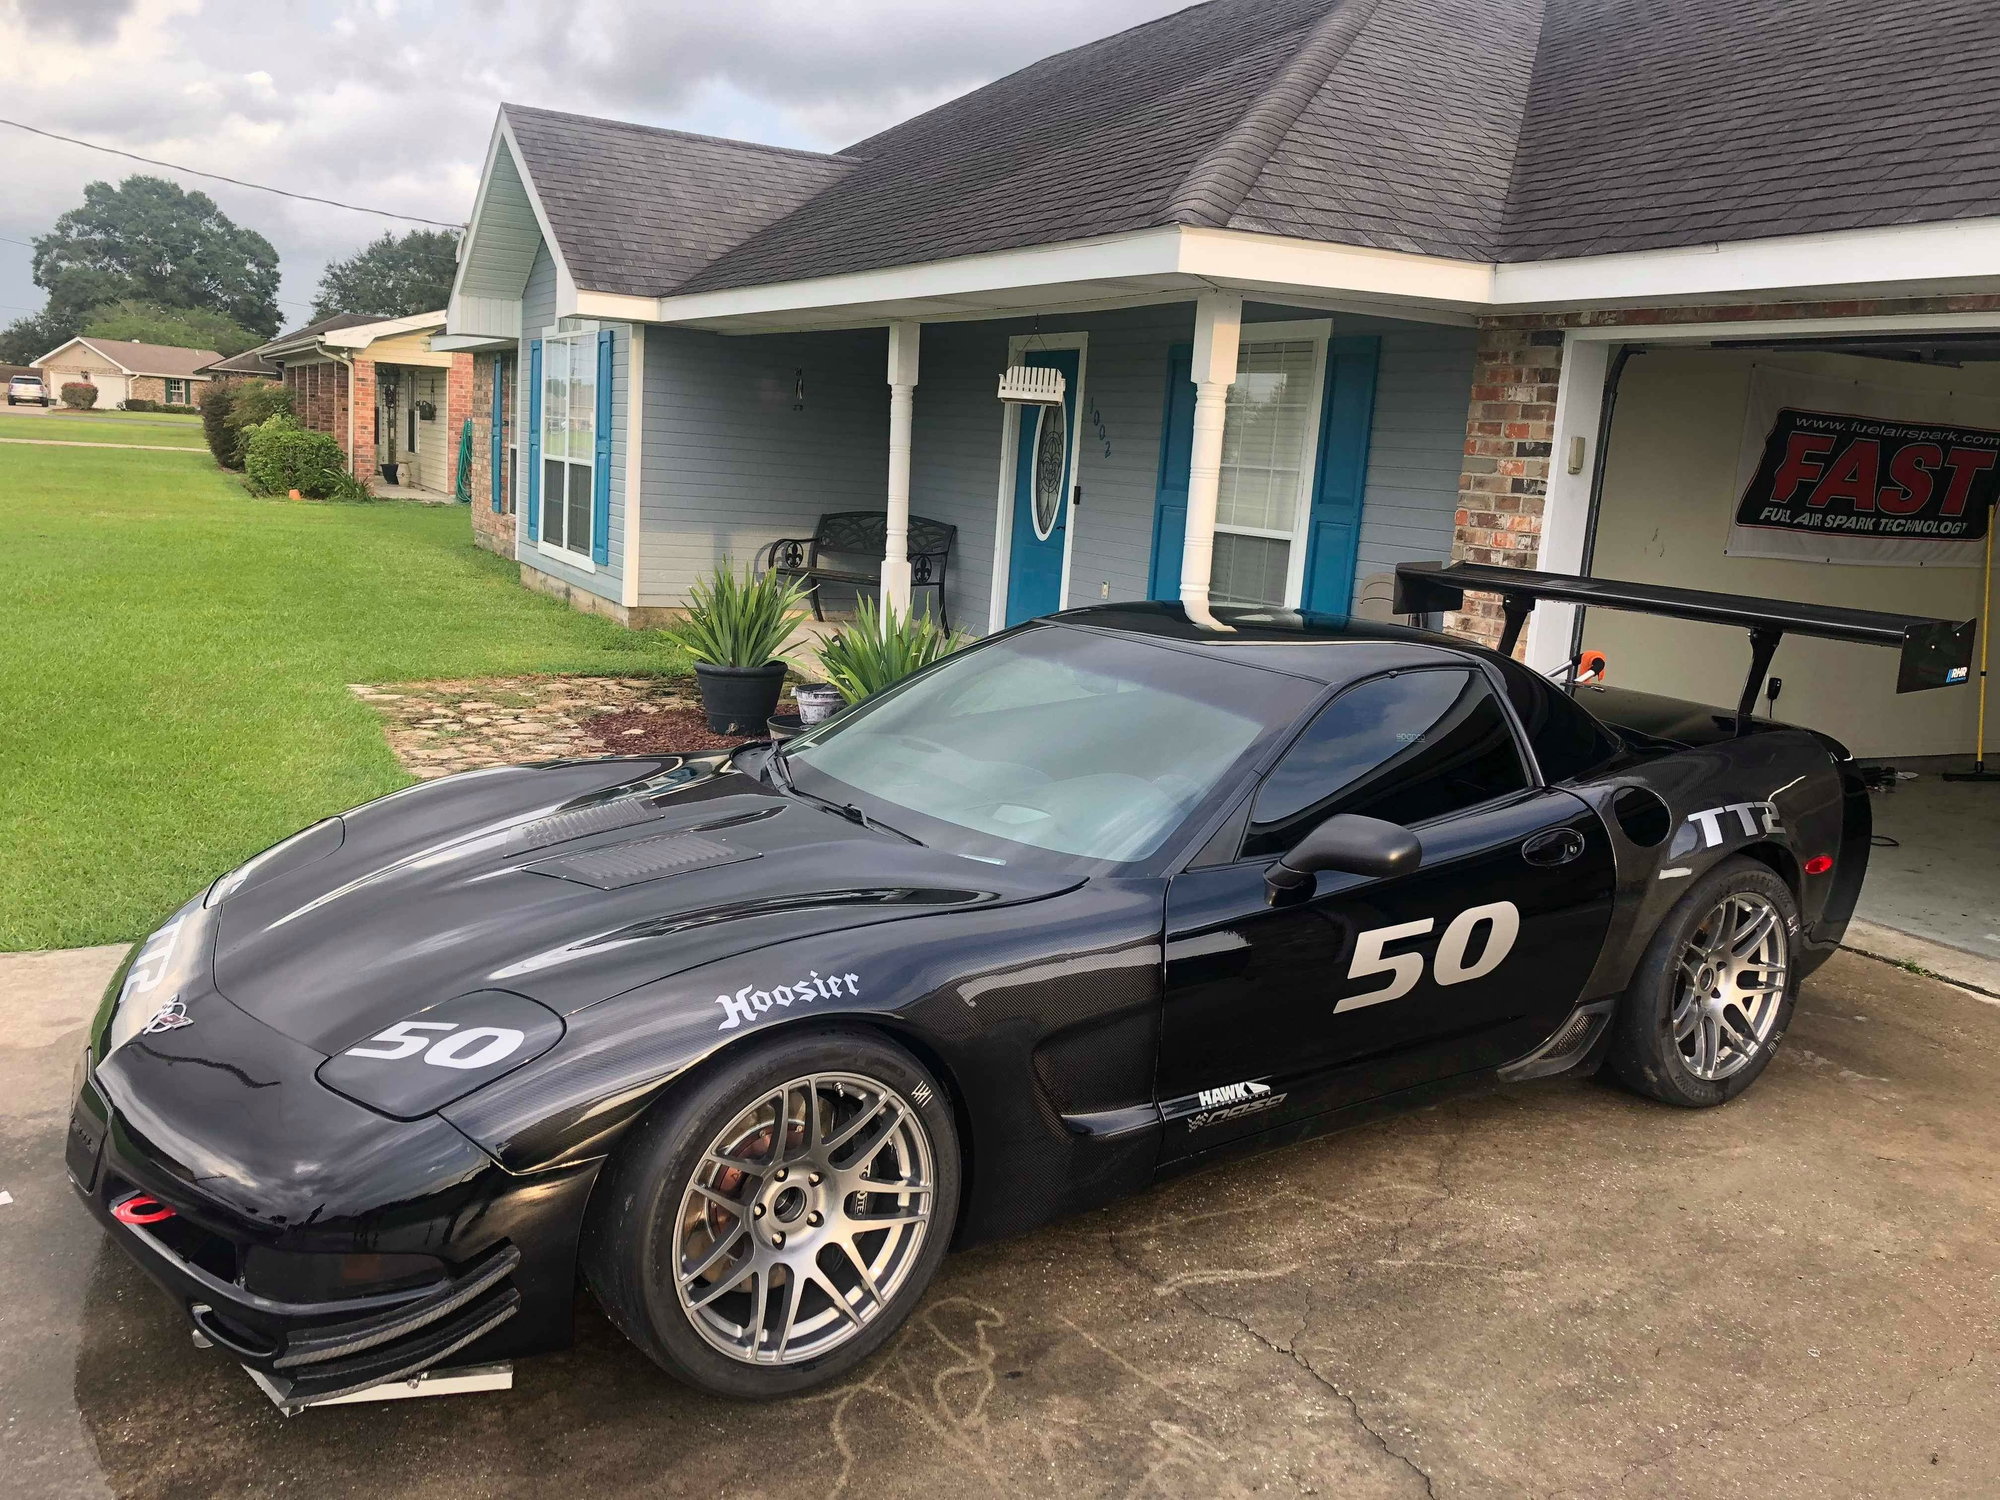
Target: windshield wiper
[[782, 774]]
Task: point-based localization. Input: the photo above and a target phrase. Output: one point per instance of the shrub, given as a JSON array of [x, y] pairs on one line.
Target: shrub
[[738, 621], [253, 404], [168, 407], [280, 456], [881, 648], [79, 395], [216, 400]]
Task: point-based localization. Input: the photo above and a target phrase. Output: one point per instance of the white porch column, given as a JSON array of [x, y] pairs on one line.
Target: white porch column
[[1566, 508], [903, 340], [1218, 327]]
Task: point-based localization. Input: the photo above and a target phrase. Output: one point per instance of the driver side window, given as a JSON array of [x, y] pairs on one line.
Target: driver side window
[[1403, 748]]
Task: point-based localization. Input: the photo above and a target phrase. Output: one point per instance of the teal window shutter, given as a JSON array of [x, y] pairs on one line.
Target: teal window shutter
[[1171, 496], [600, 474], [1333, 536], [499, 435], [534, 438]]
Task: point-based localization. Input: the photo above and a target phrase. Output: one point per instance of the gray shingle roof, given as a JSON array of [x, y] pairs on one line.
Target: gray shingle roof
[[636, 209], [1483, 129]]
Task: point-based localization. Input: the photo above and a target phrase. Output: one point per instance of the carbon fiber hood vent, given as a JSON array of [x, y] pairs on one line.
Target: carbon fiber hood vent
[[620, 865]]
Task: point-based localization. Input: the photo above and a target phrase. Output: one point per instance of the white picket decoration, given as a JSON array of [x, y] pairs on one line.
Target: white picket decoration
[[1032, 385]]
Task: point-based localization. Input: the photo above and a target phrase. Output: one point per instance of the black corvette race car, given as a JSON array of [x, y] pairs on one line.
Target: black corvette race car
[[749, 1039]]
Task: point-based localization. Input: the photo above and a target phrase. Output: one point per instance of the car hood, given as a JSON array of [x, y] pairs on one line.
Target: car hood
[[568, 883]]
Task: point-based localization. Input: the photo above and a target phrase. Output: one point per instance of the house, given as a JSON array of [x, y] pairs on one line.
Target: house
[[127, 370], [1331, 284], [395, 404]]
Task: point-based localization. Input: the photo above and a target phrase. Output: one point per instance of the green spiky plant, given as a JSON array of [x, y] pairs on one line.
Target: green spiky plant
[[881, 648], [738, 619]]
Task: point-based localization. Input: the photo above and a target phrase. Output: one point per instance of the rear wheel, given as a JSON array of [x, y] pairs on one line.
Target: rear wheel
[[1714, 994], [767, 1232]]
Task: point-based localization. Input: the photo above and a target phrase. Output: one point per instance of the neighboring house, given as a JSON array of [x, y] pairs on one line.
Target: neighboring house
[[1332, 284], [249, 365], [380, 388], [127, 370]]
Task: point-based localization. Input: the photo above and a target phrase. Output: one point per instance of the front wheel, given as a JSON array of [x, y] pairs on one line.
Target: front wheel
[[1713, 995], [768, 1231]]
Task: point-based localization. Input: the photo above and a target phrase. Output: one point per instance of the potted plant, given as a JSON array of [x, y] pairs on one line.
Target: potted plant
[[734, 628], [881, 648]]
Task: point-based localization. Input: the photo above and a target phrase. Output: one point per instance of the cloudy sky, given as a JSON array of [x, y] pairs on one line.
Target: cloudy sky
[[389, 103]]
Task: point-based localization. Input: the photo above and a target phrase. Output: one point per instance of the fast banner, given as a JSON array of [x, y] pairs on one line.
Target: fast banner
[[1838, 471]]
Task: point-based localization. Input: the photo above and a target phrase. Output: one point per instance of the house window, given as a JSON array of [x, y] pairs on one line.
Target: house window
[[177, 392], [1269, 444], [569, 440]]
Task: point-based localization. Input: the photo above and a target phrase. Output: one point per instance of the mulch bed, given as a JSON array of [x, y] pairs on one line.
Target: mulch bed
[[640, 731]]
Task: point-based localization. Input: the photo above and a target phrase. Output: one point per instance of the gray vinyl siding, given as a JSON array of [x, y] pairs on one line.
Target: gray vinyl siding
[[538, 319], [733, 461], [1417, 446], [731, 466]]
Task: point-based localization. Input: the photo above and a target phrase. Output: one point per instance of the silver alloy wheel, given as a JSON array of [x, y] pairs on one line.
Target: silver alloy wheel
[[1730, 985], [804, 1218]]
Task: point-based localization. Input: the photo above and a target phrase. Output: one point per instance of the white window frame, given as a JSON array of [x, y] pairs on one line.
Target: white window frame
[[1319, 331], [585, 339], [1010, 438]]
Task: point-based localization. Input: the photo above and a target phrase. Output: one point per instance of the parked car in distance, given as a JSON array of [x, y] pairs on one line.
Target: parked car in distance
[[27, 388]]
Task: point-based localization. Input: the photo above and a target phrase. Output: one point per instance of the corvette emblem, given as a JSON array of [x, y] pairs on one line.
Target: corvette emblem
[[170, 1017]]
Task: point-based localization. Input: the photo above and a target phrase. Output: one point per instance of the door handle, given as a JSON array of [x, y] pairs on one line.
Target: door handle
[[1552, 846]]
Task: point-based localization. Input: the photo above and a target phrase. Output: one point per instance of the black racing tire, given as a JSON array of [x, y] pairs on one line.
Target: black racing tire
[[1645, 1053], [631, 1245]]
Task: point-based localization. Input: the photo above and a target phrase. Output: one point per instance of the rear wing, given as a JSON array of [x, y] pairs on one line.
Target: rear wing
[[1934, 653]]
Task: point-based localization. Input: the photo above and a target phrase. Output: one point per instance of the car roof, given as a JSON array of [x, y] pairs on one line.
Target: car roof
[[1324, 647]]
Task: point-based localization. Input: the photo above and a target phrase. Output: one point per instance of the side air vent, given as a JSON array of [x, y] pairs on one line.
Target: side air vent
[[560, 827], [621, 865]]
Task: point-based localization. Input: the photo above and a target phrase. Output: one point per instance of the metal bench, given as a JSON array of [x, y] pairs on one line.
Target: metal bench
[[856, 540]]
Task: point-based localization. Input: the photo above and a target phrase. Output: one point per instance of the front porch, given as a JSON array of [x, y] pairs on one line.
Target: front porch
[[1335, 441]]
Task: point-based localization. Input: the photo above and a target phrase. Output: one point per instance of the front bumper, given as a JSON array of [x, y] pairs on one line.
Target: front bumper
[[316, 1349]]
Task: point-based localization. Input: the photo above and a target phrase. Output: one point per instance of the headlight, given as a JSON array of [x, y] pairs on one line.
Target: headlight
[[439, 1055], [166, 964], [302, 848]]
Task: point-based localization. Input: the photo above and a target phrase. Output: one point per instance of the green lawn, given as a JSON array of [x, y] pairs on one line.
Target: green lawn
[[173, 666], [105, 427]]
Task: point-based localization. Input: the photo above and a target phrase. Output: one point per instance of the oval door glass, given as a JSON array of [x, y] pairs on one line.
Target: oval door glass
[[1049, 455]]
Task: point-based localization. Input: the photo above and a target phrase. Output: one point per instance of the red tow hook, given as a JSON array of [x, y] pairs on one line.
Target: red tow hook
[[141, 1208]]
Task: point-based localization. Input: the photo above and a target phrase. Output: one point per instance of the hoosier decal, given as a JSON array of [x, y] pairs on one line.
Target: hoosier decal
[[750, 1002]]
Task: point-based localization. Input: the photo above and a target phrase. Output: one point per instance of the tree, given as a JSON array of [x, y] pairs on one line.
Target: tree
[[149, 240], [184, 327], [395, 277], [27, 339]]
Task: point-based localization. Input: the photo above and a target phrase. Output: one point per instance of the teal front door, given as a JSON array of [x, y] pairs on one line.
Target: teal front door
[[1044, 489]]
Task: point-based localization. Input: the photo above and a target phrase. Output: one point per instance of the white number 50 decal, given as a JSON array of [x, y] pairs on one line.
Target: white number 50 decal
[[473, 1047], [1449, 967]]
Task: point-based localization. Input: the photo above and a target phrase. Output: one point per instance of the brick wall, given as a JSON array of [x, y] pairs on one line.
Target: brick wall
[[362, 460], [1510, 422], [495, 532], [146, 388]]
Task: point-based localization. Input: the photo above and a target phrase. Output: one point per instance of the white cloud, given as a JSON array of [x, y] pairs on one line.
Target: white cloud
[[390, 106]]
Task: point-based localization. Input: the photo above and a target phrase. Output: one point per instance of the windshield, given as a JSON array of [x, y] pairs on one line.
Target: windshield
[[1061, 740]]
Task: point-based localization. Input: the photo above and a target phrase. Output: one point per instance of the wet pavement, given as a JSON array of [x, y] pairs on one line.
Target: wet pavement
[[1554, 1290]]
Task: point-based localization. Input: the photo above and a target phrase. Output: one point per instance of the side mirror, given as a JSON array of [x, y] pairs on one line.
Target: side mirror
[[1349, 843]]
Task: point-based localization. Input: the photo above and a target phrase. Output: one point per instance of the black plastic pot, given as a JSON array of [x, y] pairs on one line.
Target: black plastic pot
[[782, 727], [738, 700], [389, 472]]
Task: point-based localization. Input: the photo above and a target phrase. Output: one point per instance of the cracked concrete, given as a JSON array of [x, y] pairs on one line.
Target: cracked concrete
[[1558, 1290]]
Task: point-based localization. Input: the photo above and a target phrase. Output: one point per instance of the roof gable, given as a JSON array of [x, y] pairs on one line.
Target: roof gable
[[135, 358], [635, 209]]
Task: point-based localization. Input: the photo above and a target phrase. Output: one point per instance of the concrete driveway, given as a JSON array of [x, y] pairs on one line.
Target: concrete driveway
[[1559, 1290]]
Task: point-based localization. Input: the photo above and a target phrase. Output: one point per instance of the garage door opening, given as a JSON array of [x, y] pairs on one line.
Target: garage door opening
[[1847, 470]]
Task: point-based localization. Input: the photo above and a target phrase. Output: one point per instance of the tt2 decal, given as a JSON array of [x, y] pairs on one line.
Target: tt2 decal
[[1451, 964], [1712, 827], [750, 1002], [1232, 1102]]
